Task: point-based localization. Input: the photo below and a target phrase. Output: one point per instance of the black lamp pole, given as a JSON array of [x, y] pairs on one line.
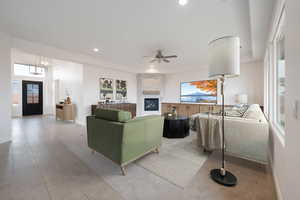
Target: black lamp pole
[[222, 176]]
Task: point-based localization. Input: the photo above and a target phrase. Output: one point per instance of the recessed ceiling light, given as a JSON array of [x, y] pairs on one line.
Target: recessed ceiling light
[[152, 70], [95, 50], [183, 2]]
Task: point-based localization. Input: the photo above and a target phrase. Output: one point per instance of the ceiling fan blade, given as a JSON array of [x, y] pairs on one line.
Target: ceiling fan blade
[[153, 60], [174, 56], [165, 60]]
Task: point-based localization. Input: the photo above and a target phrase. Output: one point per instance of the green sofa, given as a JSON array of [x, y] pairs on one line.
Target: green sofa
[[122, 139]]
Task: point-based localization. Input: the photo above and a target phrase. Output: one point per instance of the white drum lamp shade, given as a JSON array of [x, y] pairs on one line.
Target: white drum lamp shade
[[224, 57]]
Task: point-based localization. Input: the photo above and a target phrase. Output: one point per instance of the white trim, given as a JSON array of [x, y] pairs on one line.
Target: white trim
[[266, 84], [280, 5], [278, 132], [80, 122], [276, 182], [271, 164], [2, 141], [278, 32]]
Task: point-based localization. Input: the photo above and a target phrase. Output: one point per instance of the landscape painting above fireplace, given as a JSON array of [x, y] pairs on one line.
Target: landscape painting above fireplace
[[199, 91]]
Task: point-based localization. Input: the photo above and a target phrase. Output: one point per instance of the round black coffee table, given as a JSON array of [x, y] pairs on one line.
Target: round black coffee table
[[176, 127]]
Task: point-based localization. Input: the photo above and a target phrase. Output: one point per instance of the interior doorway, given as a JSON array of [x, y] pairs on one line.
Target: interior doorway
[[32, 92]]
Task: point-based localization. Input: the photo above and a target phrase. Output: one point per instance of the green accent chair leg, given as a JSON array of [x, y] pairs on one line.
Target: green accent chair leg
[[123, 170]]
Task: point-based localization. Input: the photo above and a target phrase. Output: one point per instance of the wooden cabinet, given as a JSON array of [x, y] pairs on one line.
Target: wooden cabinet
[[192, 109], [184, 109], [206, 108], [65, 111], [130, 107]]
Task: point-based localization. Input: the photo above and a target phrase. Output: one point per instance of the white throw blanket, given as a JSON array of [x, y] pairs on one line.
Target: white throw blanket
[[209, 130]]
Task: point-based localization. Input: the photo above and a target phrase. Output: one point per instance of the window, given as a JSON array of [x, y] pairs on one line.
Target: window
[[28, 70], [15, 92], [280, 79], [32, 93], [280, 76]]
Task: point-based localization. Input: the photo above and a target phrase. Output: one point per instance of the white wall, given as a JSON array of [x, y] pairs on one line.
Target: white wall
[[70, 77], [91, 87], [250, 82], [291, 189], [5, 88], [285, 160]]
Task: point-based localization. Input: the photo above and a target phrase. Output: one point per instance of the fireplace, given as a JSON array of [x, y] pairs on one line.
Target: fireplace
[[151, 104]]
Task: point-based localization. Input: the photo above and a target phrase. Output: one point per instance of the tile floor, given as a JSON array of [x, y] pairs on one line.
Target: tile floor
[[49, 160]]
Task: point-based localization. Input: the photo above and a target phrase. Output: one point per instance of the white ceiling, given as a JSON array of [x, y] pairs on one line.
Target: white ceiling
[[127, 30]]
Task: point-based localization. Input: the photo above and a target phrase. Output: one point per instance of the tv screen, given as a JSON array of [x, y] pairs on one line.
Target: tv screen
[[199, 92]]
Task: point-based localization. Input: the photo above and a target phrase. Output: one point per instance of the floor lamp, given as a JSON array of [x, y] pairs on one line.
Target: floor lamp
[[224, 62]]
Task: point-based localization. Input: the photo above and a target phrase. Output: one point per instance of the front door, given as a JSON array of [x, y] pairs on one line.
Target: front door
[[32, 97]]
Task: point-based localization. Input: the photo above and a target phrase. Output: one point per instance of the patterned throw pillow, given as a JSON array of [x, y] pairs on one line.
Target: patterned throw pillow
[[236, 111]]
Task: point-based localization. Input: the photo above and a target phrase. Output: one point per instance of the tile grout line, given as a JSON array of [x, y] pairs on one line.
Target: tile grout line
[[35, 162]]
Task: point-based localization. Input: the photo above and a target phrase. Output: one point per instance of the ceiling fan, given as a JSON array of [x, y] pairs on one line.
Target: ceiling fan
[[159, 57]]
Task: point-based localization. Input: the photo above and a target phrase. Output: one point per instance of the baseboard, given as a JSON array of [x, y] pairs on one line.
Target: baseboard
[[2, 141], [81, 123], [277, 188], [275, 179]]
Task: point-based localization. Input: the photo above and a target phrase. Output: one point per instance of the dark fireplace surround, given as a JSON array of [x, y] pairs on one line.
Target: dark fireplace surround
[[151, 104]]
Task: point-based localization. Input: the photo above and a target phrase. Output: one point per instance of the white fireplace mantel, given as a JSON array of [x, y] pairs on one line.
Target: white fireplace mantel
[[149, 86]]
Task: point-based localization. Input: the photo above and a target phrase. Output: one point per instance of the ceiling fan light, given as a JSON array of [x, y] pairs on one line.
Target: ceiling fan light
[[183, 2]]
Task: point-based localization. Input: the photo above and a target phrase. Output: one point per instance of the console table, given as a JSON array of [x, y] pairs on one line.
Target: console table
[[187, 110], [65, 111]]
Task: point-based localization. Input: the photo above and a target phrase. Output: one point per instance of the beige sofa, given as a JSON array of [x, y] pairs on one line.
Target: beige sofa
[[245, 136]]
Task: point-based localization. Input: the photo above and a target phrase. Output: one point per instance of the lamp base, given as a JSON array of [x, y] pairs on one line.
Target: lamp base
[[228, 180]]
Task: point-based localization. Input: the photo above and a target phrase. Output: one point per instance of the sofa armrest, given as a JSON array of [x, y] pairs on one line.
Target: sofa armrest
[[247, 138]]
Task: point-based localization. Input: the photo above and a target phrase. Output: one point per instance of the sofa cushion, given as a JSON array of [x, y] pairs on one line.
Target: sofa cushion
[[254, 112], [113, 115]]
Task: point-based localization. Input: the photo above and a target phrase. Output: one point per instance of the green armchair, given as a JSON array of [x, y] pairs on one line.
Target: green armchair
[[117, 136]]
